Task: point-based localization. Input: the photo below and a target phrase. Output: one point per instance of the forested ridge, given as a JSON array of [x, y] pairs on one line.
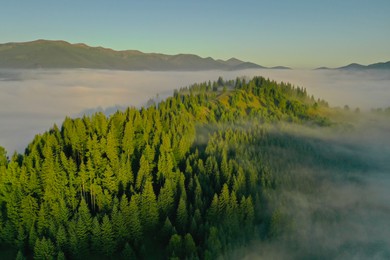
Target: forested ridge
[[190, 177]]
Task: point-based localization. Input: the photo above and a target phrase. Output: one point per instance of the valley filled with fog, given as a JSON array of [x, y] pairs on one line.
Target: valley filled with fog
[[31, 101], [329, 197]]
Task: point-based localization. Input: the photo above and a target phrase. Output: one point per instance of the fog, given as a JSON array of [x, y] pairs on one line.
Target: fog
[[31, 101], [347, 217], [345, 213]]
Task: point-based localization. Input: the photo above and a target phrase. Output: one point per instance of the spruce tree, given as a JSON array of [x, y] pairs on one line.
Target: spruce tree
[[44, 249], [148, 208], [107, 237], [132, 218], [181, 216]]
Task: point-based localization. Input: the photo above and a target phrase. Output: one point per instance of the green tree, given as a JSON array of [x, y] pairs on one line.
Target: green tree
[[148, 209], [61, 256], [83, 227], [182, 216], [166, 199], [213, 244], [132, 218], [175, 247], [213, 212], [44, 249], [189, 247], [96, 241], [167, 230], [143, 173], [128, 252], [107, 237], [20, 256], [61, 238]]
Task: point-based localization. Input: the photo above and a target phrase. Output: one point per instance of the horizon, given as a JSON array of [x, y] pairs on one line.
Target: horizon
[[298, 35], [204, 57]]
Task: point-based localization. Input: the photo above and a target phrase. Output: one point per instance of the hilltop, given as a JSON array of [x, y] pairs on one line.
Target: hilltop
[[204, 174], [168, 180]]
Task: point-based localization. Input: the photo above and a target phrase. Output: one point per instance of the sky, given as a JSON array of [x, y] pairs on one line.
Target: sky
[[298, 34]]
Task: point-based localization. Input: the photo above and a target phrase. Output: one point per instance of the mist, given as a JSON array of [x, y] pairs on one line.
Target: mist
[[32, 101], [345, 214], [336, 212]]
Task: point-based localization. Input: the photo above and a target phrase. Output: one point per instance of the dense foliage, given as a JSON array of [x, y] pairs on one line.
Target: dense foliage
[[189, 177]]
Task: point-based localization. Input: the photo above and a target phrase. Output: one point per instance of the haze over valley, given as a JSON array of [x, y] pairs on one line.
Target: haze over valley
[[31, 101]]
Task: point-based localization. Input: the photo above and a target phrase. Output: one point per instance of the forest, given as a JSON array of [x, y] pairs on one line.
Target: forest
[[196, 176]]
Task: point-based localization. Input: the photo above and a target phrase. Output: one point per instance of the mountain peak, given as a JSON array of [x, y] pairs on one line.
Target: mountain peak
[[233, 61]]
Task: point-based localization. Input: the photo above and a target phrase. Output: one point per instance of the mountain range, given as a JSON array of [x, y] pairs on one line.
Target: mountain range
[[64, 55], [356, 66], [61, 54]]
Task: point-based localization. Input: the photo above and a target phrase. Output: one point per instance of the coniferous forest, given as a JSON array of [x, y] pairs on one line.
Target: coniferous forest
[[195, 176]]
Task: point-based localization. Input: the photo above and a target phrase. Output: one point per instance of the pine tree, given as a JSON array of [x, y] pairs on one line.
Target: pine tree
[[128, 140], [3, 158], [107, 237], [42, 223], [148, 208], [61, 238], [223, 201], [112, 148], [143, 173], [213, 244], [44, 249], [20, 256], [133, 221], [118, 224], [74, 247], [59, 211], [213, 211], [167, 230], [175, 246], [21, 237], [61, 256], [189, 246], [32, 237], [128, 252], [108, 181], [181, 216], [166, 199], [96, 241], [82, 238]]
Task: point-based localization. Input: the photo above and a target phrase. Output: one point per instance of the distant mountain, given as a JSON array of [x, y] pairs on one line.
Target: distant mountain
[[280, 68], [323, 68], [61, 54], [353, 66], [356, 66]]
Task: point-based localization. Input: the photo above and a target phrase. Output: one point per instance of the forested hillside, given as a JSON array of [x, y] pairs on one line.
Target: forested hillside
[[190, 177]]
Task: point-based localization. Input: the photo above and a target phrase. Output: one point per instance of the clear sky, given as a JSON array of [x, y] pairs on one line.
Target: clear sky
[[295, 33]]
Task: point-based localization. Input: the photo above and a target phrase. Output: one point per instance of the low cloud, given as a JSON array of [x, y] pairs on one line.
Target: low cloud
[[335, 212], [31, 101], [346, 218]]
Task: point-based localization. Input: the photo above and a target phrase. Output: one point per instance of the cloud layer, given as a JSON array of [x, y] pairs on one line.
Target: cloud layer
[[344, 213], [31, 101]]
